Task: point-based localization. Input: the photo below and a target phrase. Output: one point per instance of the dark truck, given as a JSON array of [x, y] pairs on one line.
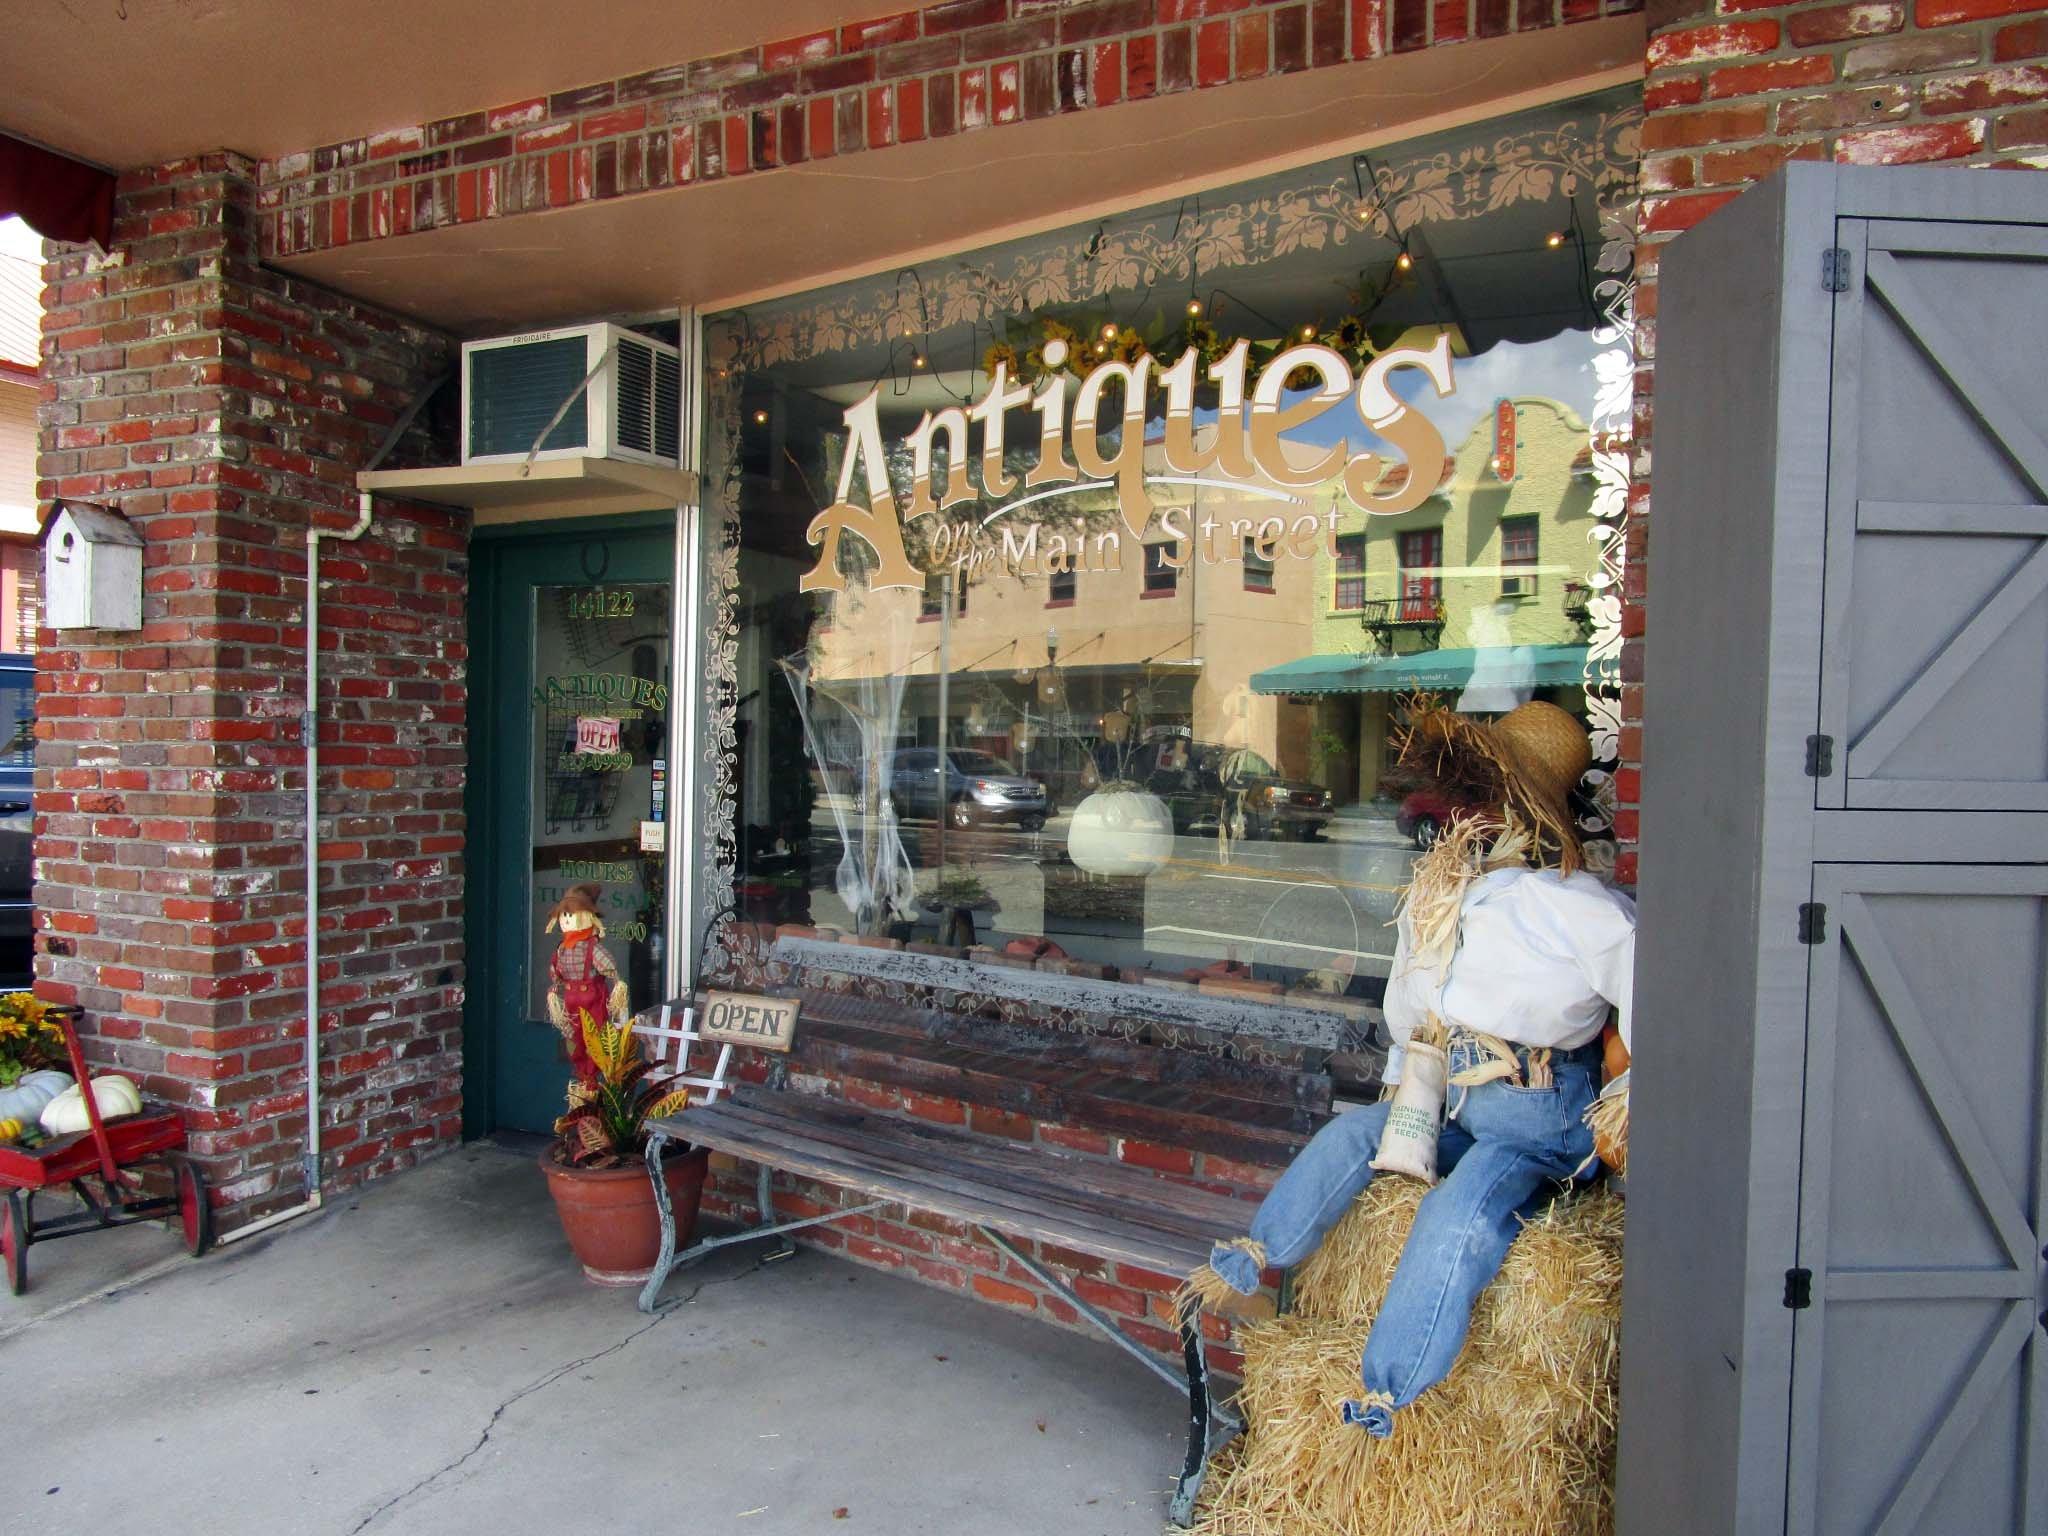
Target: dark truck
[[17, 829], [1203, 784]]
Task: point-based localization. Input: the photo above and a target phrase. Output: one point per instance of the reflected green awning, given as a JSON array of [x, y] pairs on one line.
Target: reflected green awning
[[1514, 666]]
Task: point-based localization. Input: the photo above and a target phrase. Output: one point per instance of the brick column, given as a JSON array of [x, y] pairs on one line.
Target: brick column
[[223, 407], [1735, 90]]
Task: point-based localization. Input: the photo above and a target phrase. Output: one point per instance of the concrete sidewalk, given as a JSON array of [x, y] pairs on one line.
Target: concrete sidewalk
[[425, 1356]]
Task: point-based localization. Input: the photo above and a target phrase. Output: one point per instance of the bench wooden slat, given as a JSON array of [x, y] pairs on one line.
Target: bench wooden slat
[[1154, 1250], [1119, 1183], [946, 1168], [787, 1131], [1143, 1198]]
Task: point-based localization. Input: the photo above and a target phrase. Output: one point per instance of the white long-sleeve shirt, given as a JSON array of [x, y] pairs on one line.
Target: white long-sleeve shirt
[[1540, 959]]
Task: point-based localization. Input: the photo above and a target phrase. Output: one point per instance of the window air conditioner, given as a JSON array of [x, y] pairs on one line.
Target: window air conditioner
[[1518, 586], [512, 386]]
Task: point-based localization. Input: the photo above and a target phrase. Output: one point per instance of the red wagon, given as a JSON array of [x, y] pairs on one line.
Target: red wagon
[[105, 1155]]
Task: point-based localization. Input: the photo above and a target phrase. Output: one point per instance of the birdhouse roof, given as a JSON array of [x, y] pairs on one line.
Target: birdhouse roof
[[94, 524]]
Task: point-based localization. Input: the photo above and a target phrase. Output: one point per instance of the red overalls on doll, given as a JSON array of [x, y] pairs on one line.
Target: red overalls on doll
[[583, 980]]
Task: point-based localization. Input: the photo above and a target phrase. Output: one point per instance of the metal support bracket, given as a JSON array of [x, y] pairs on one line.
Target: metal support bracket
[[1210, 1427], [669, 1260]]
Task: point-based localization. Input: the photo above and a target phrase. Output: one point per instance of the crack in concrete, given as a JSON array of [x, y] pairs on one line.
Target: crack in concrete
[[455, 1464]]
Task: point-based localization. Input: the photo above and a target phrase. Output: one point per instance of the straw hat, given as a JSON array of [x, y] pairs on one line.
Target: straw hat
[[1528, 761]]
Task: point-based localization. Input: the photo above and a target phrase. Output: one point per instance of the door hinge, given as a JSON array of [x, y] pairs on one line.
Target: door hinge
[[1820, 756], [1813, 923], [1798, 1289], [1834, 269]]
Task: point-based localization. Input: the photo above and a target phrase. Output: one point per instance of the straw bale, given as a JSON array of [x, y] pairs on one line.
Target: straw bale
[[1520, 1436]]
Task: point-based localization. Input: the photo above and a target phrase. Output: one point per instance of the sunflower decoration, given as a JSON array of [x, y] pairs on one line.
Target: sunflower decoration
[[1049, 331], [1350, 338], [1204, 340], [1127, 346], [31, 1039], [1000, 355]]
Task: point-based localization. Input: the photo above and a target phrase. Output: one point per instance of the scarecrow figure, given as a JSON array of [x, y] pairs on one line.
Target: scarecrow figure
[[1508, 961], [582, 975]]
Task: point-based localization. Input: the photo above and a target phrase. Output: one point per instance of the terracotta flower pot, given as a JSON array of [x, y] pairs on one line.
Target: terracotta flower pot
[[609, 1217]]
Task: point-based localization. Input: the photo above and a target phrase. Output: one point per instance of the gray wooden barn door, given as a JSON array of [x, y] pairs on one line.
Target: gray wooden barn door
[[1919, 1394], [1933, 690]]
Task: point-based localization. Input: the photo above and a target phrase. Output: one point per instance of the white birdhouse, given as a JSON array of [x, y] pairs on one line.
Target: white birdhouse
[[92, 569]]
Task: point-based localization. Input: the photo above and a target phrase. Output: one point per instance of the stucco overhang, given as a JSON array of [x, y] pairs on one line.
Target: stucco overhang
[[752, 236], [140, 82]]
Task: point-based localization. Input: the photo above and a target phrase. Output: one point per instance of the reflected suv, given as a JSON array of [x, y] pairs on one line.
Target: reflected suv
[[978, 788], [17, 823], [1207, 783]]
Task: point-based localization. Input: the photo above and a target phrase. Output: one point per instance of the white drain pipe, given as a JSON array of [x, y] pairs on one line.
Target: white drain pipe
[[309, 732]]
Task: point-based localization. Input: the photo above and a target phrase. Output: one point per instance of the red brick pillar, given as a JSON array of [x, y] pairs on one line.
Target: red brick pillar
[[1736, 89], [222, 407]]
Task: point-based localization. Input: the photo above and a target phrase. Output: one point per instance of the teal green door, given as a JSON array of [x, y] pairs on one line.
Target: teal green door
[[568, 785]]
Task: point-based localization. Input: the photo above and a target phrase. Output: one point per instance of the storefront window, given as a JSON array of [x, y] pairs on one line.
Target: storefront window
[[1281, 457]]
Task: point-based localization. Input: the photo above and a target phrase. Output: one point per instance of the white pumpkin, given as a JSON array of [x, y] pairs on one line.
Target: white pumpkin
[[1120, 831], [25, 1100], [115, 1095]]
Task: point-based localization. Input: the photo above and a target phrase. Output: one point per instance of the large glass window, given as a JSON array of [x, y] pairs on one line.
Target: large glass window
[[1323, 422]]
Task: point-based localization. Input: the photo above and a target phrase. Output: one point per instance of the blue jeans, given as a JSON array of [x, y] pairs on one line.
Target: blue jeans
[[1501, 1148]]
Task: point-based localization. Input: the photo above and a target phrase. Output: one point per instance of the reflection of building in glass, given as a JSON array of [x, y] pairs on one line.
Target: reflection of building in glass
[[1475, 594], [1070, 673]]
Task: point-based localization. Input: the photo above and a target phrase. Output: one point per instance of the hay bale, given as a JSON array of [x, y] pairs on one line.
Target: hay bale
[[1519, 1438]]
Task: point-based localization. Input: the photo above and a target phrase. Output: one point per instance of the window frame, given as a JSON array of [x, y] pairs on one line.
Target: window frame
[[1252, 563], [1518, 569], [1341, 574], [930, 604], [1155, 566], [1420, 596]]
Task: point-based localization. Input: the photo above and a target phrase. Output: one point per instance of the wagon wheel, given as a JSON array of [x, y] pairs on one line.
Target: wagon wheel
[[14, 1241], [195, 1216]]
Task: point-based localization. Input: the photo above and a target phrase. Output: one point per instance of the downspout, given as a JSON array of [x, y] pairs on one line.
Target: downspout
[[309, 733]]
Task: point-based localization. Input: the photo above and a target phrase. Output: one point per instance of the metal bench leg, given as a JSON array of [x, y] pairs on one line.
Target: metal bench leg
[[1210, 1428], [666, 1260], [669, 1260], [1201, 1419], [764, 1202]]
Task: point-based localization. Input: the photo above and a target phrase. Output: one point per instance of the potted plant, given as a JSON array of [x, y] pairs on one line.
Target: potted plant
[[956, 895], [596, 1166]]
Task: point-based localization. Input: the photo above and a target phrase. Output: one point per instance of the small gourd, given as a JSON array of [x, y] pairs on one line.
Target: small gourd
[[114, 1094], [25, 1100]]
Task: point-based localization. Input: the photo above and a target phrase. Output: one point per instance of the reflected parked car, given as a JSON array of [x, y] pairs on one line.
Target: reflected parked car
[[1428, 814], [979, 788], [17, 822], [1205, 784]]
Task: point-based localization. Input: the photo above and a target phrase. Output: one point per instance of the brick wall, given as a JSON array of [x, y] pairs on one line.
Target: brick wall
[[1735, 89], [956, 67], [222, 406]]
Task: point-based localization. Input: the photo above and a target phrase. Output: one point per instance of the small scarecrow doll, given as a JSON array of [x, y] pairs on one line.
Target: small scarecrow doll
[[582, 975], [1508, 962]]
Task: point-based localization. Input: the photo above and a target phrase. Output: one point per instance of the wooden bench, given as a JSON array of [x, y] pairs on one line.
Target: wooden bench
[[1002, 1191]]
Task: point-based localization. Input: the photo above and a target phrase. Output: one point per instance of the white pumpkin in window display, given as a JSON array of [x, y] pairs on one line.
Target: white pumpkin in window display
[[1123, 828]]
